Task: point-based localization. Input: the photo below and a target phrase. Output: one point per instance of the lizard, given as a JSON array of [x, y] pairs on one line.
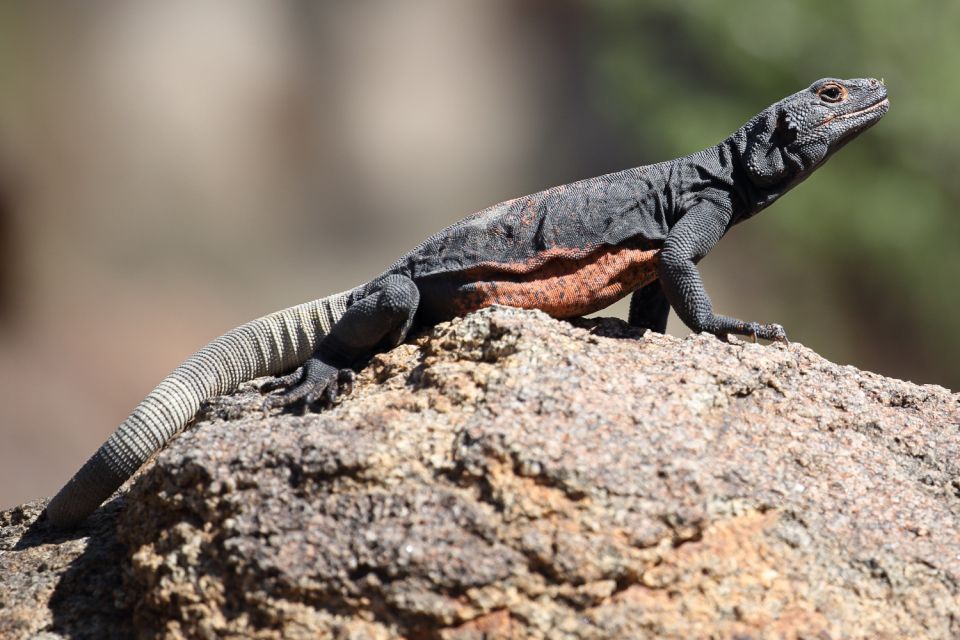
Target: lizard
[[569, 250]]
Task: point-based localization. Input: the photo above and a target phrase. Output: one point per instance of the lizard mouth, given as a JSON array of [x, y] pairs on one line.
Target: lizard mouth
[[882, 104]]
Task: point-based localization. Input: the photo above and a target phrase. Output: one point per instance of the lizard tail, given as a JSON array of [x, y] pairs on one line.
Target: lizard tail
[[278, 342]]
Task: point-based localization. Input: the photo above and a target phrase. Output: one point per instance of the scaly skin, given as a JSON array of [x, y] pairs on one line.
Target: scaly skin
[[570, 250]]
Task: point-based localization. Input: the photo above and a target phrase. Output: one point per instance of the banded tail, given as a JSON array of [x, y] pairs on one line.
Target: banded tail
[[275, 343]]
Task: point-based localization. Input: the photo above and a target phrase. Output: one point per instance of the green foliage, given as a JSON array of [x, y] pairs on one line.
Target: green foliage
[[881, 224]]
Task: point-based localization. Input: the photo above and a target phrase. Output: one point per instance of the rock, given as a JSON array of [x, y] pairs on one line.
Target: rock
[[507, 475]]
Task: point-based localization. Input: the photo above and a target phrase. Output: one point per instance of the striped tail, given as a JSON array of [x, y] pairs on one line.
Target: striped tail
[[270, 345]]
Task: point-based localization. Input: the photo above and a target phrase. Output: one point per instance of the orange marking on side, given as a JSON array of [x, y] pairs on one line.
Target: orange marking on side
[[558, 283], [531, 265]]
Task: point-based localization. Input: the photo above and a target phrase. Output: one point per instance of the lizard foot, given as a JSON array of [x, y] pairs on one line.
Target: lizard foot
[[315, 381], [771, 332]]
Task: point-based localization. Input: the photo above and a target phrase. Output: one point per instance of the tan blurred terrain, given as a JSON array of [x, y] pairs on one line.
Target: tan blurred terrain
[[170, 170]]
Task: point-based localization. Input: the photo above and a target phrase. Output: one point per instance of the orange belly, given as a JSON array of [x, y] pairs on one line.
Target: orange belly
[[561, 286]]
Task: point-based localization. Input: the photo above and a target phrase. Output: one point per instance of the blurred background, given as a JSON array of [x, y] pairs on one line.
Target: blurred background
[[169, 170]]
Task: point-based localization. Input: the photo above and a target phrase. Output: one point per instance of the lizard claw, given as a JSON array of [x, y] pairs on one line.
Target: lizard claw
[[315, 381]]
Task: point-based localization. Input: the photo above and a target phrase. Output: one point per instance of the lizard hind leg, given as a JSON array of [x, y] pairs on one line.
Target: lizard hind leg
[[380, 319]]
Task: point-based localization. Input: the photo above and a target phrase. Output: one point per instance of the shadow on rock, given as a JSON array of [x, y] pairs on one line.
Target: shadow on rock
[[88, 600], [61, 582]]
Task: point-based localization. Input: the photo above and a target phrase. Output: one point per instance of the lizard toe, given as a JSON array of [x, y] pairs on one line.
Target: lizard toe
[[314, 395], [316, 383], [330, 395], [773, 333], [283, 382], [345, 379], [770, 332], [304, 385], [340, 386]]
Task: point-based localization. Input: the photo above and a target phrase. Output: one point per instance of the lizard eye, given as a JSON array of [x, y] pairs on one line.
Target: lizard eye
[[832, 93]]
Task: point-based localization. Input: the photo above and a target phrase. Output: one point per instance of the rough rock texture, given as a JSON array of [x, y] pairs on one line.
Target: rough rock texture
[[511, 476]]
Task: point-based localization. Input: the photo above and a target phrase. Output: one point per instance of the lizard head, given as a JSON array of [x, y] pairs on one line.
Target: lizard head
[[785, 142]]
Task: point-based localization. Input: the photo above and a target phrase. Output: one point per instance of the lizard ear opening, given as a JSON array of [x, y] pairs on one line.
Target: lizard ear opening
[[766, 162]]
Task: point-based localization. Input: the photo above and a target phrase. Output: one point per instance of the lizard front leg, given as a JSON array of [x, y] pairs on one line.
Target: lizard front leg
[[687, 242], [381, 318]]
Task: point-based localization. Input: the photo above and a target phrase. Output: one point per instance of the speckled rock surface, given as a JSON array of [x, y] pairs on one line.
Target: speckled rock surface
[[511, 476]]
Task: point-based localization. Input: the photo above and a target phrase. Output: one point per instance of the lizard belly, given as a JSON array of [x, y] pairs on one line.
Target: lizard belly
[[561, 286]]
